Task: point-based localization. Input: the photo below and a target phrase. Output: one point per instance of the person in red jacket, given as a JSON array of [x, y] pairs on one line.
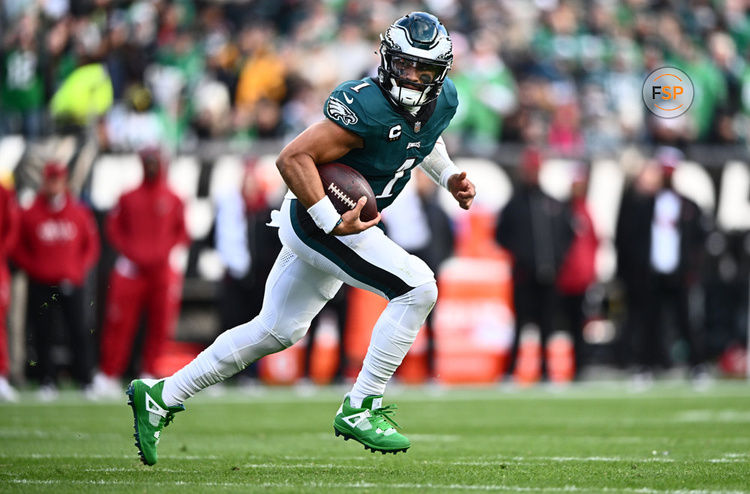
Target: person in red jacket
[[57, 246], [9, 222], [578, 270], [143, 227]]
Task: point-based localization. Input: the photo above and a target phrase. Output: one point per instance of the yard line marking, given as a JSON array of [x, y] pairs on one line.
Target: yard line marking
[[370, 485], [726, 416], [553, 459], [22, 433], [46, 456], [308, 465], [469, 461], [138, 468]]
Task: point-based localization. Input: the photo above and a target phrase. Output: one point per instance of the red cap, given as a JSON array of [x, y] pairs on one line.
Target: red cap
[[54, 169]]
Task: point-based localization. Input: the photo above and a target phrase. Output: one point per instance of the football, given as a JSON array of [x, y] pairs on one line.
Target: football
[[344, 186]]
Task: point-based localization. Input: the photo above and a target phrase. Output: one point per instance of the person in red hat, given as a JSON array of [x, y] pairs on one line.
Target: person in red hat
[[9, 222], [143, 227], [57, 246]]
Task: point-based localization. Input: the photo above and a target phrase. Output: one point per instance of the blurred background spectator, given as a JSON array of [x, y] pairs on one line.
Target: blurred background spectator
[[661, 238], [9, 226], [537, 230], [248, 249], [578, 270], [57, 246], [144, 227]]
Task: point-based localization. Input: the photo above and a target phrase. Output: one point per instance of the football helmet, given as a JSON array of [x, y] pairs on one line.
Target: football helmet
[[416, 54]]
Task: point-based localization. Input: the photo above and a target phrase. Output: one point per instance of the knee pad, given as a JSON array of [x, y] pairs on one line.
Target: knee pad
[[422, 297]]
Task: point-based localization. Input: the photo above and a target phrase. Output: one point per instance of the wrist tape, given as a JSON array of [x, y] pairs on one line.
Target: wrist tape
[[324, 214]]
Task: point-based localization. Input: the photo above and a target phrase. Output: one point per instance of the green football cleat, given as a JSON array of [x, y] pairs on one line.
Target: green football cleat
[[371, 425], [151, 415]]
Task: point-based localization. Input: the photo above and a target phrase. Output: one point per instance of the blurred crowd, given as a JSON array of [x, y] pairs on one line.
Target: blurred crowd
[[566, 74]]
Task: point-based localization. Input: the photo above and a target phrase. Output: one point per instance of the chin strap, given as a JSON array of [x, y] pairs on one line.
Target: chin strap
[[396, 92]]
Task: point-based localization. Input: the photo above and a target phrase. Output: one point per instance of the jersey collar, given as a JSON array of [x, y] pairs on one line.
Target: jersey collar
[[417, 121]]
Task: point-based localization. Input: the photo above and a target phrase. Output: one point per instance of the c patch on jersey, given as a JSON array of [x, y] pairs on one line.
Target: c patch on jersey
[[337, 110], [394, 133]]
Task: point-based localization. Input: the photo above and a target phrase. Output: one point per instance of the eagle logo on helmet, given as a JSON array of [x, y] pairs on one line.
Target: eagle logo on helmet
[[337, 110]]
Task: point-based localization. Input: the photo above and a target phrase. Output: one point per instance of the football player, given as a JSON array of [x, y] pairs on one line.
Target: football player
[[383, 127]]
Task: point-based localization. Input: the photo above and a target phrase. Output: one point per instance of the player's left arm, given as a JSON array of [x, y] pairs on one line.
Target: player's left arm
[[440, 167]]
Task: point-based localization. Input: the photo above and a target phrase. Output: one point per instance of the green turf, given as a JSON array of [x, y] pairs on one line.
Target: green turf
[[588, 438]]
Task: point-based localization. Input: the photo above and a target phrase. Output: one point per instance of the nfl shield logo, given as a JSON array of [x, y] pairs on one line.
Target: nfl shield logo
[[417, 126]]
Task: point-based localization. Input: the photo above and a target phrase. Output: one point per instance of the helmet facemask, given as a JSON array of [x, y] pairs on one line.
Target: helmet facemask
[[415, 57]]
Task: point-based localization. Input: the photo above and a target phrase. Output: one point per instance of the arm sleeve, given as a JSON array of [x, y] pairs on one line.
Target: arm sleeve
[[438, 165]]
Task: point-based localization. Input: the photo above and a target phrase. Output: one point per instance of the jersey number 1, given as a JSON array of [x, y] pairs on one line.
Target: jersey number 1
[[388, 189]]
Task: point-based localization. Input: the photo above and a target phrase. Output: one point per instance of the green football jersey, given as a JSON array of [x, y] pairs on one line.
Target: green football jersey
[[394, 140]]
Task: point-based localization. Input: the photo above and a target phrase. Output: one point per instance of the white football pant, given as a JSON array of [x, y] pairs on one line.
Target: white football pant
[[308, 272]]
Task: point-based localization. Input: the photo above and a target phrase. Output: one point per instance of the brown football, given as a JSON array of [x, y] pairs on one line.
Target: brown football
[[344, 186]]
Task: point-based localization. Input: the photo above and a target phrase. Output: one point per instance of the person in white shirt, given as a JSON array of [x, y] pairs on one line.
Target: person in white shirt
[[669, 231]]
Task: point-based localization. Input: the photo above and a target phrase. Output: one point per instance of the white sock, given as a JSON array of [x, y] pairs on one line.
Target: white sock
[[232, 351], [392, 336]]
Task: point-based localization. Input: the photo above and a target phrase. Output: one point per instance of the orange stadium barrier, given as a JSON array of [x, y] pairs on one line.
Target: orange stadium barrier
[[561, 367], [285, 367], [473, 319], [325, 353], [528, 369]]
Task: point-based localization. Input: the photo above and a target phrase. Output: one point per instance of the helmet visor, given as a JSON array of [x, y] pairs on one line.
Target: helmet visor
[[416, 71]]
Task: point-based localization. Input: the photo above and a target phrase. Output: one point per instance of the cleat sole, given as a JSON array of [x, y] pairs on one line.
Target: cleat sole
[[348, 436]]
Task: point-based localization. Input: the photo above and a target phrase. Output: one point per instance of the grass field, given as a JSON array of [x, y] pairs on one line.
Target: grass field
[[587, 438]]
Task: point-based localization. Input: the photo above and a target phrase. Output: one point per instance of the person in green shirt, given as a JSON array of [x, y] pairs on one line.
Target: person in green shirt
[[21, 86]]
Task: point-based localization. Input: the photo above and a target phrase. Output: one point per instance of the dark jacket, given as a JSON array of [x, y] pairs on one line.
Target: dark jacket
[[633, 237], [537, 230]]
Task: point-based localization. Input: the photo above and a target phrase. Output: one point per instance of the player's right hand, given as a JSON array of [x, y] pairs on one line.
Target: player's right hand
[[351, 223]]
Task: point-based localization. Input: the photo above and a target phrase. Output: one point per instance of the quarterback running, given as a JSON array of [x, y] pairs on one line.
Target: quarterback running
[[382, 127]]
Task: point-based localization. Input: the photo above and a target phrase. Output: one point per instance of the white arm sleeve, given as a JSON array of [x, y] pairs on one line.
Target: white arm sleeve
[[438, 165]]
